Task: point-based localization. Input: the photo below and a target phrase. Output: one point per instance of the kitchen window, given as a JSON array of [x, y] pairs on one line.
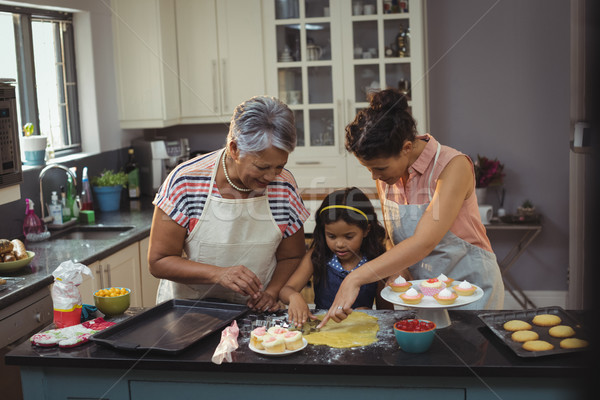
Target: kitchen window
[[38, 53]]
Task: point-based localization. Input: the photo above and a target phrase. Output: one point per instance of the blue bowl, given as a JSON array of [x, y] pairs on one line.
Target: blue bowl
[[415, 341]]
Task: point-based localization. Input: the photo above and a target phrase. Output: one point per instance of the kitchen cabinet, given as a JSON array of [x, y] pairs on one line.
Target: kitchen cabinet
[[220, 55], [149, 282], [145, 47], [323, 58], [121, 269]]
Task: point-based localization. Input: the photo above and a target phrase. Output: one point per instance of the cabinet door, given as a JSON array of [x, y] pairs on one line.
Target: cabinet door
[[146, 63], [90, 284], [149, 282], [122, 269], [220, 57]]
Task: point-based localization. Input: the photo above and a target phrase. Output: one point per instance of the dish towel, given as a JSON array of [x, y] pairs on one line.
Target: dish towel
[[227, 345], [70, 336]]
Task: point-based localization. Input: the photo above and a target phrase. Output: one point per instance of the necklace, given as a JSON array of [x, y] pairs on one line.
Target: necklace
[[229, 180]]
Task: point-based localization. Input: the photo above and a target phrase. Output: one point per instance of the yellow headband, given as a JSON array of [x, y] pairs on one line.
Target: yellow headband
[[346, 207]]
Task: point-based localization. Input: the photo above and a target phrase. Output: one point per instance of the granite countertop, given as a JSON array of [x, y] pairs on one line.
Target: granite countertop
[[50, 253], [466, 348]]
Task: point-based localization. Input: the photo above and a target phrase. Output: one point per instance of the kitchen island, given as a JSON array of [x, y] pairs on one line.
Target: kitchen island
[[465, 361]]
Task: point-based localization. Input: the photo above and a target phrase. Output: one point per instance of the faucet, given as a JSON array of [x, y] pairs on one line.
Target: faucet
[[42, 173]]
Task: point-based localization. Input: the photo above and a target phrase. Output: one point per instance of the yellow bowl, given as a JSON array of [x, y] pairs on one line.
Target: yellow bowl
[[110, 306]]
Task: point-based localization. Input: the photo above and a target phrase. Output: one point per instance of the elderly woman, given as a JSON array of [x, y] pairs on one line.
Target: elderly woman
[[428, 202], [228, 225]]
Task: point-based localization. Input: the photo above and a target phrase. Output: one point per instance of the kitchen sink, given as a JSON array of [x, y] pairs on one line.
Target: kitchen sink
[[93, 232]]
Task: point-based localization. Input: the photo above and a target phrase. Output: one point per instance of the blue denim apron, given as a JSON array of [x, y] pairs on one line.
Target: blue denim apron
[[453, 256]]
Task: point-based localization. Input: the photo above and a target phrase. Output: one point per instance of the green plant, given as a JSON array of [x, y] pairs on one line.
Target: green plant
[[527, 204], [110, 178]]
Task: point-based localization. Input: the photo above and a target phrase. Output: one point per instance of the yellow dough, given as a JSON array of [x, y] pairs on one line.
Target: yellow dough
[[359, 329]]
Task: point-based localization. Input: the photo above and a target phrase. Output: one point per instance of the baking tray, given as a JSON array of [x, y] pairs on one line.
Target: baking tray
[[169, 327], [496, 320]]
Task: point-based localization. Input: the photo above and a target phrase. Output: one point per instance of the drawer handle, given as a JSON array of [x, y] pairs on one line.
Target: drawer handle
[[308, 162]]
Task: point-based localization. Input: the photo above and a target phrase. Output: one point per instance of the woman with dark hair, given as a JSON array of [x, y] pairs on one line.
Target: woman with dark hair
[[428, 199], [228, 225], [347, 235]]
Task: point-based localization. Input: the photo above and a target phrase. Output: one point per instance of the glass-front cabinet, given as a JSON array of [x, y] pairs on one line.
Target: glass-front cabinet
[[323, 58]]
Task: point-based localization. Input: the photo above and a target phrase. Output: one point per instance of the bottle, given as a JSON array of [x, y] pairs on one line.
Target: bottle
[[76, 206], [32, 225], [86, 192], [70, 201], [66, 211], [133, 176], [55, 209]]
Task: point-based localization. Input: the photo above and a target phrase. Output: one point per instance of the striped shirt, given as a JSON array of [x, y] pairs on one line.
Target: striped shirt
[[183, 194]]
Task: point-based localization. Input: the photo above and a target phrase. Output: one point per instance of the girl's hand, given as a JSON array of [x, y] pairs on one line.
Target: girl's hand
[[264, 302], [342, 304], [239, 279], [298, 311]]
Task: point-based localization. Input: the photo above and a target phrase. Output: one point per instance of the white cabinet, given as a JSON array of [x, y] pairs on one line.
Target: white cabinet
[[149, 282], [221, 61], [146, 68], [121, 269], [323, 58]]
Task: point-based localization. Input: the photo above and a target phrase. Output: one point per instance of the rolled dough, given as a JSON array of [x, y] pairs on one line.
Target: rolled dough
[[359, 329]]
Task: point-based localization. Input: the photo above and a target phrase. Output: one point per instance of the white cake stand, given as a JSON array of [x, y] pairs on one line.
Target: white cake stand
[[429, 308]]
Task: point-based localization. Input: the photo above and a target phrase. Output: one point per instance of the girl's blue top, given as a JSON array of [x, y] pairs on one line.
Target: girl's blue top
[[327, 288]]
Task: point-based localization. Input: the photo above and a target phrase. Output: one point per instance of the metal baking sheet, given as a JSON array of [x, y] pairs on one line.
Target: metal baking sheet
[[170, 327], [496, 320]]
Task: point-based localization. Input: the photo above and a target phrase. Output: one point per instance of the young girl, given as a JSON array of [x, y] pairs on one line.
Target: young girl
[[346, 236]]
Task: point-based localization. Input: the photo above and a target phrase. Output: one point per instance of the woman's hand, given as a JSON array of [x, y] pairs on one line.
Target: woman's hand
[[342, 304], [298, 311], [263, 302], [239, 279]]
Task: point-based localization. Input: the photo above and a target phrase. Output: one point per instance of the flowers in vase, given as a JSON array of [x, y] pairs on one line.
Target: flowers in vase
[[488, 172]]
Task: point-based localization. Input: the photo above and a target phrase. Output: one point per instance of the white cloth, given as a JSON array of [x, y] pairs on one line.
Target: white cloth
[[229, 232]]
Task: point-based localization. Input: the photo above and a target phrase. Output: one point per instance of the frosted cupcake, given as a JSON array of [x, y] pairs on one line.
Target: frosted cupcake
[[274, 344], [411, 296], [257, 336], [277, 331], [400, 285], [445, 297], [464, 289], [293, 340], [431, 286], [447, 281]]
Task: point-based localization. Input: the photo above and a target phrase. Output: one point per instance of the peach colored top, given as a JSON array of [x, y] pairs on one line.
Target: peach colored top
[[467, 225]]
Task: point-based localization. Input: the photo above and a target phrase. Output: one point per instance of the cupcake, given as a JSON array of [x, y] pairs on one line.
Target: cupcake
[[445, 297], [447, 281], [274, 344], [432, 286], [464, 289], [277, 331], [293, 340], [411, 296], [400, 285], [257, 336]]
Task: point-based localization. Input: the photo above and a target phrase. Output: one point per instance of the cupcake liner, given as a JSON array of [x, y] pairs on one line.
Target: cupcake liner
[[429, 291]]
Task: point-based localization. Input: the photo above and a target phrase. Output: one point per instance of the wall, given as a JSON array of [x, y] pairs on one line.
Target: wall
[[499, 87]]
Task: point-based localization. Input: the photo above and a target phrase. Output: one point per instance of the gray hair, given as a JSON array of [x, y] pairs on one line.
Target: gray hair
[[261, 122]]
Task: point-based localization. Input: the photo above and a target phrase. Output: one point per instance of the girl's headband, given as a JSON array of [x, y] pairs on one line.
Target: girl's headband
[[346, 207]]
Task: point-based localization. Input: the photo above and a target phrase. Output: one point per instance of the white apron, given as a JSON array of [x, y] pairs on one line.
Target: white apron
[[229, 232], [453, 256]]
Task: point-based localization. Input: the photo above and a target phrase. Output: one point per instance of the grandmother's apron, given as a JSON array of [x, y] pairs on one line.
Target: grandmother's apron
[[453, 256], [229, 232]]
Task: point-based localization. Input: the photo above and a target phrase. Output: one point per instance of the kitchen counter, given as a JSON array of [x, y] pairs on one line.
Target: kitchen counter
[[50, 253], [465, 358]]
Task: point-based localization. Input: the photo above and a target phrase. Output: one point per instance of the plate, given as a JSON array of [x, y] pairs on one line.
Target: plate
[[15, 265], [428, 301], [285, 352]]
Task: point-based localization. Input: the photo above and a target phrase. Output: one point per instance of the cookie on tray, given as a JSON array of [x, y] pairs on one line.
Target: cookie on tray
[[561, 331], [516, 325], [537, 345], [546, 320], [524, 336], [573, 343]]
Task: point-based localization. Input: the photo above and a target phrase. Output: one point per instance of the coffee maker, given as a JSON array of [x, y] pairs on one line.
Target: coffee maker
[[156, 159]]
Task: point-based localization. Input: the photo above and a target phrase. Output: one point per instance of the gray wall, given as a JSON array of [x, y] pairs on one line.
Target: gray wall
[[499, 86]]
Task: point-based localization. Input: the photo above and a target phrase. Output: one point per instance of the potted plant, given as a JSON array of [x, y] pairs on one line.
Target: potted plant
[[107, 188], [487, 173], [527, 210]]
